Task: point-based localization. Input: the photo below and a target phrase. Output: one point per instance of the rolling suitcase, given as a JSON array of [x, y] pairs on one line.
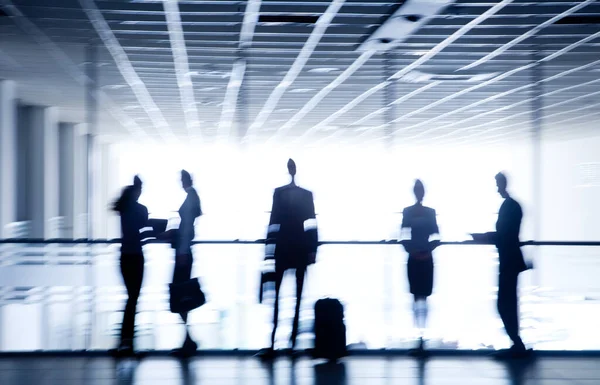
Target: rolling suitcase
[[330, 331]]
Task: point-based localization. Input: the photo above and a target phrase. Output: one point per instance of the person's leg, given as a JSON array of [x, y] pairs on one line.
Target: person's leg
[[132, 269], [300, 274], [420, 312], [182, 273], [508, 307], [278, 280]]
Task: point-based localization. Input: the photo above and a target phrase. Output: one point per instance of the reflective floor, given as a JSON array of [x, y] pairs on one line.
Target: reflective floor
[[248, 371]]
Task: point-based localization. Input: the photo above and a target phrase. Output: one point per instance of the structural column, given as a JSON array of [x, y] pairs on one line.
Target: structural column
[[106, 223], [38, 169], [73, 169], [8, 157], [80, 180]]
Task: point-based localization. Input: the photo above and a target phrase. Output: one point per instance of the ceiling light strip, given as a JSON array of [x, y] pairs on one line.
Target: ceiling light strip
[[238, 71], [182, 68], [452, 38], [431, 53], [315, 100], [531, 33], [470, 138], [311, 43], [493, 97], [126, 69], [401, 99], [452, 96], [522, 133], [504, 136], [494, 80], [70, 68], [504, 108]]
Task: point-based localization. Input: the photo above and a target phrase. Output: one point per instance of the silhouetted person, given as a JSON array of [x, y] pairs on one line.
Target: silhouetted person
[[293, 235], [421, 221], [134, 217], [506, 239], [188, 212]]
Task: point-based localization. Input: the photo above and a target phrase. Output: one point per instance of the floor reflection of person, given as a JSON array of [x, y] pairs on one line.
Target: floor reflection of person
[[421, 222], [292, 239], [134, 217]]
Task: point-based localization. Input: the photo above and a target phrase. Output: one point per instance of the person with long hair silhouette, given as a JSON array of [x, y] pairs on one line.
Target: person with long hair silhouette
[[422, 224], [188, 212], [134, 217]]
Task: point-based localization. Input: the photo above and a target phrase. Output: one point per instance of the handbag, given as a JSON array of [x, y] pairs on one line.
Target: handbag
[[186, 296]]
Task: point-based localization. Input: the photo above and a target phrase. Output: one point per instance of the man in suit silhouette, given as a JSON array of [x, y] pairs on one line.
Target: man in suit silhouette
[[292, 240], [506, 239]]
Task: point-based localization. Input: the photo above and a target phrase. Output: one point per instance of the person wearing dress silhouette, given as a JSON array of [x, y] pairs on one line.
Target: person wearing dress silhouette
[[512, 263], [134, 217], [422, 224], [188, 212], [292, 240]]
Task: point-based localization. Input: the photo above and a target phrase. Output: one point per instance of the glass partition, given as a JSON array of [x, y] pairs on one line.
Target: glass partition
[[71, 296]]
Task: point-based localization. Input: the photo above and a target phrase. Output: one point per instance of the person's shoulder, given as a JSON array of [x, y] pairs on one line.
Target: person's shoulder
[[279, 189], [305, 191], [141, 208], [513, 202], [429, 210], [193, 193], [409, 209]]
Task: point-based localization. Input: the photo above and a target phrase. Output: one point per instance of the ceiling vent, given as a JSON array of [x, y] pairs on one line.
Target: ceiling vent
[[411, 16], [288, 19], [579, 20]]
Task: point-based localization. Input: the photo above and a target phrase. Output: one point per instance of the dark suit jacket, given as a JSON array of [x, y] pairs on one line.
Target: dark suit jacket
[[422, 223], [506, 237], [292, 227], [133, 219]]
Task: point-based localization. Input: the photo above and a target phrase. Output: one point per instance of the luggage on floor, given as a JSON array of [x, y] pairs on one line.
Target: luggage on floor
[[330, 331]]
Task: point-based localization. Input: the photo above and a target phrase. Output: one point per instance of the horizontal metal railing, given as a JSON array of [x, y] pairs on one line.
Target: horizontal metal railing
[[262, 241]]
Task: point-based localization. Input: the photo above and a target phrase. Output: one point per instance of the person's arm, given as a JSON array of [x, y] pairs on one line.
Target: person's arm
[[513, 224], [186, 228], [311, 230], [274, 226], [434, 238], [405, 232]]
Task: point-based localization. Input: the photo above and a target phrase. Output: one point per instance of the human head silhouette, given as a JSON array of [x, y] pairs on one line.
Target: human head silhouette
[[129, 196], [502, 184], [186, 179], [419, 190], [291, 165]]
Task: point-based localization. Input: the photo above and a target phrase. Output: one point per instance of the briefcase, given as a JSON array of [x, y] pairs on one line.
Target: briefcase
[[186, 296]]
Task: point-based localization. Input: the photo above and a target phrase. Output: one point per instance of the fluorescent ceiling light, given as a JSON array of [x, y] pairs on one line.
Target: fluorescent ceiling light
[[323, 70], [301, 90]]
